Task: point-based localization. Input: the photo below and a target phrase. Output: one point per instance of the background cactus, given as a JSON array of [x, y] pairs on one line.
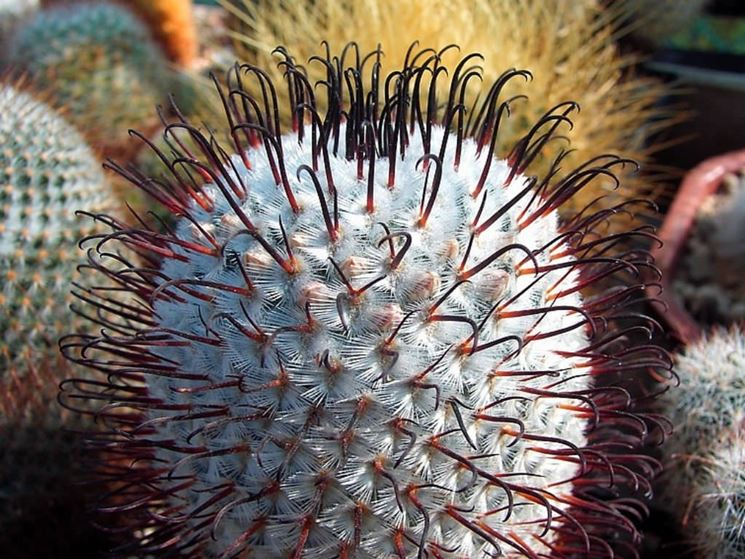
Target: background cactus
[[568, 46], [720, 502], [172, 22], [709, 277], [47, 172], [11, 12], [365, 338], [100, 63], [705, 485]]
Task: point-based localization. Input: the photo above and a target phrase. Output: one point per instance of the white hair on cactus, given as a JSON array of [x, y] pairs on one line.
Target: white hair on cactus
[[712, 394], [365, 337], [706, 486], [720, 502]]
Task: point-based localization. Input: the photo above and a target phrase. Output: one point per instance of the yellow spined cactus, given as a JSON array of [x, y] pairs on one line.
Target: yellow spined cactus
[[569, 47]]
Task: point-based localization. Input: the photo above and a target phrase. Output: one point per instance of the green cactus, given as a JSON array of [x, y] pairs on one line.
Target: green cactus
[[705, 488], [100, 63], [47, 172]]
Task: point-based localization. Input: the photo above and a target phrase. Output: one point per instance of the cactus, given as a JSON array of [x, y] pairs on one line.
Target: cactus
[[172, 22], [11, 12], [100, 63], [709, 277], [705, 486], [568, 46], [720, 502], [365, 338], [47, 172]]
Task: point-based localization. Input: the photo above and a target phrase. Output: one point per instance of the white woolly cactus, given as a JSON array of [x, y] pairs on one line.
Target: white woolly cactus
[[365, 338], [706, 485]]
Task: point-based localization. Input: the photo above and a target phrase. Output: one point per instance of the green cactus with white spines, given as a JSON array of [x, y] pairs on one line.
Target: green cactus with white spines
[[100, 63], [47, 172], [706, 484]]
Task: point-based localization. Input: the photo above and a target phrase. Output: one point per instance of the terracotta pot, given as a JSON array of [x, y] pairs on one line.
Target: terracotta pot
[[701, 182]]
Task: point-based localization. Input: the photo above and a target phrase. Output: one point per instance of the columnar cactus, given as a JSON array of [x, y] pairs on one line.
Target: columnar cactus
[[568, 46], [365, 338], [47, 172], [706, 485], [100, 63]]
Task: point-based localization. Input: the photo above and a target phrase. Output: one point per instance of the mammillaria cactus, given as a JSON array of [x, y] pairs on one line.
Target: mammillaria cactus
[[706, 485], [365, 338], [100, 63], [568, 46], [47, 172], [720, 503]]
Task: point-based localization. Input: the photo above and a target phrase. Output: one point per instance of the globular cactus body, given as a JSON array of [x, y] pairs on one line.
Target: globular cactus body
[[100, 64], [47, 173], [706, 486], [365, 338]]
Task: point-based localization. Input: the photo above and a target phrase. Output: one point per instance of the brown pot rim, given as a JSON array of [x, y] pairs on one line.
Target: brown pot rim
[[698, 184]]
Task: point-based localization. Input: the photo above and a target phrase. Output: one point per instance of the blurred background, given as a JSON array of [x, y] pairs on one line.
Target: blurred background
[[664, 84]]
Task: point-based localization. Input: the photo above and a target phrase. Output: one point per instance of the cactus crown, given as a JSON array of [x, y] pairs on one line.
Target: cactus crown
[[47, 173], [99, 62], [365, 337]]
